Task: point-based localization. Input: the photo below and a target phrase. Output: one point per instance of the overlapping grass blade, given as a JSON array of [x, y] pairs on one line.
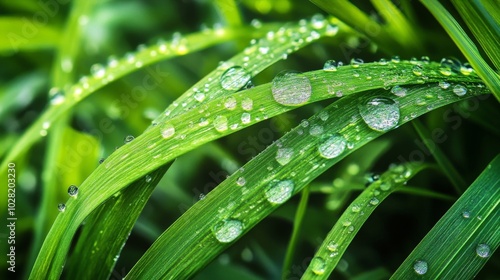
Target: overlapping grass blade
[[353, 218], [461, 242], [20, 34], [241, 206], [466, 46]]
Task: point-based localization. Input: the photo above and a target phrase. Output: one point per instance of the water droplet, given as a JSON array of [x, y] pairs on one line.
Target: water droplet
[[420, 267], [61, 207], [203, 122], [374, 201], [230, 103], [483, 250], [234, 78], [279, 191], [331, 146], [346, 223], [241, 181], [97, 70], [284, 155], [466, 214], [444, 85], [56, 96], [330, 65], [384, 186], [418, 70], [382, 61], [449, 66], [247, 104], [399, 91], [395, 59], [220, 123], [459, 90], [245, 118], [316, 130], [355, 208], [199, 96], [356, 62], [425, 59], [323, 115], [318, 265], [228, 230], [148, 178], [167, 131], [466, 69], [332, 246], [73, 191], [380, 113], [318, 21], [128, 139], [291, 88]]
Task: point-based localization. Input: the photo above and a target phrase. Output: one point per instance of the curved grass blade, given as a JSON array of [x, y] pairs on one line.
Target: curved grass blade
[[452, 249], [184, 132], [22, 35], [353, 218], [466, 46], [233, 208]]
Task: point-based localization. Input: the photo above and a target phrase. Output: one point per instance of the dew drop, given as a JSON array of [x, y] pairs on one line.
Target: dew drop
[[73, 191], [230, 103], [395, 59], [420, 267], [220, 123], [382, 61], [148, 178], [279, 191], [399, 91], [97, 70], [374, 201], [245, 118], [199, 96], [418, 70], [466, 69], [330, 65], [284, 155], [466, 214], [61, 207], [56, 96], [128, 139], [291, 88], [444, 85], [355, 208], [318, 265], [167, 131], [316, 130], [318, 21], [384, 186], [483, 250], [203, 122], [332, 246], [449, 66], [380, 113], [331, 146], [459, 90], [228, 230], [234, 78], [241, 181], [247, 104]]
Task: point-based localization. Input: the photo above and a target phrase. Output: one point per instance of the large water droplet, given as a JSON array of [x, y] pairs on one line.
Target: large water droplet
[[331, 146], [284, 155], [234, 78], [459, 90], [291, 88], [380, 113], [73, 191], [228, 230], [318, 265], [167, 131], [220, 123], [420, 267], [279, 191], [483, 250]]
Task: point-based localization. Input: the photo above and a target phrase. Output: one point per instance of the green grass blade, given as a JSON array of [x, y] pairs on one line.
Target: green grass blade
[[229, 12], [353, 218], [449, 250], [466, 46], [106, 230], [244, 206], [20, 34], [483, 19], [444, 163]]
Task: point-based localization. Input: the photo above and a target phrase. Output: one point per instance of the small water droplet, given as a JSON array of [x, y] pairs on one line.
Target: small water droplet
[[128, 139], [380, 113], [316, 130], [330, 65], [459, 90], [331, 146], [61, 207], [346, 223], [425, 59], [247, 104], [234, 78], [97, 70], [444, 85], [245, 118], [220, 123], [382, 61], [355, 208], [420, 267], [466, 214], [203, 122], [228, 230], [279, 191], [449, 66], [73, 191], [323, 115], [284, 155], [148, 178], [318, 265], [384, 186], [199, 96], [241, 181], [374, 201], [395, 59], [399, 91], [356, 62], [483, 250], [230, 103], [318, 21], [466, 69], [291, 88], [332, 246], [57, 96], [418, 70], [167, 131]]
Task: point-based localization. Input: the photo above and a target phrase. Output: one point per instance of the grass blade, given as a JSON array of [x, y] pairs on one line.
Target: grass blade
[[450, 249], [22, 35]]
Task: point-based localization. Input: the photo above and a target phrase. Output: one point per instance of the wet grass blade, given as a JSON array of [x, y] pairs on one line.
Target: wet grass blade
[[462, 241]]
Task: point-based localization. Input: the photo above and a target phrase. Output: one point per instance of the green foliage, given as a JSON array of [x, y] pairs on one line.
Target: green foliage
[[192, 101]]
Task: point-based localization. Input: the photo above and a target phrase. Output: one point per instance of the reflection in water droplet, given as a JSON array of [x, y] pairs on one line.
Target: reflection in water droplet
[[330, 65], [241, 181], [279, 191], [230, 103], [459, 90], [380, 113], [331, 146], [284, 155], [444, 85], [399, 91], [220, 123], [228, 230], [73, 191], [291, 88], [167, 131], [420, 267], [483, 250], [234, 78], [318, 265], [61, 207]]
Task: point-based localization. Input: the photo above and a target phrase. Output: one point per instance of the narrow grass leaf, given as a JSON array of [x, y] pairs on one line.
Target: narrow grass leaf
[[15, 30], [463, 240]]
